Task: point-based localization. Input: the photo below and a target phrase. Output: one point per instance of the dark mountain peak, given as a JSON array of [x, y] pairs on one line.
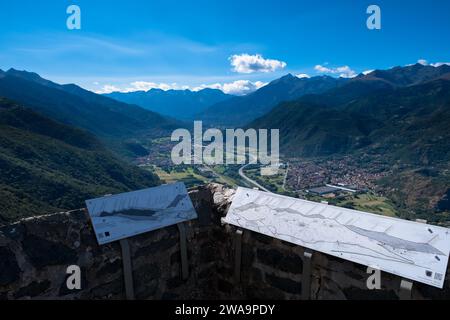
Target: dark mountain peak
[[361, 75], [410, 67], [444, 68], [241, 110], [287, 78], [323, 76], [211, 90], [213, 93], [154, 90], [30, 76], [416, 66], [34, 77], [24, 74], [407, 75], [179, 104], [71, 87], [175, 92]]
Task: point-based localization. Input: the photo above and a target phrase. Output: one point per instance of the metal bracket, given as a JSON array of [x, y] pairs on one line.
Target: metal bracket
[[237, 255], [127, 269], [183, 250], [405, 290], [306, 276]]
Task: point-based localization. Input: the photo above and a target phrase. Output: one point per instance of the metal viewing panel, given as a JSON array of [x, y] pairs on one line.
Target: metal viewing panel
[[408, 249], [128, 214]]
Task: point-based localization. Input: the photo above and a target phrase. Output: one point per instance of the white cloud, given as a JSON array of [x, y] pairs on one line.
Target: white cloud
[[439, 64], [239, 87], [422, 62], [344, 71], [245, 63], [303, 75], [322, 69]]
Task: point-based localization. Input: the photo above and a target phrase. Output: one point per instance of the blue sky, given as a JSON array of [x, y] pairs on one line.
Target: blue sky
[[136, 44]]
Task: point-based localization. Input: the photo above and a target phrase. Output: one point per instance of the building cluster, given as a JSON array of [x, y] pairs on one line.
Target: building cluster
[[345, 173]]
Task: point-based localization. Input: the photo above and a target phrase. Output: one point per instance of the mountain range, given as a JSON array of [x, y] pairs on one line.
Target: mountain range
[[75, 106], [240, 110], [218, 109], [179, 104], [403, 112]]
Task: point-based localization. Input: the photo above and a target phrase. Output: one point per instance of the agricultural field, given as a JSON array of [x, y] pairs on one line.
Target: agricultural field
[[367, 202], [187, 175]]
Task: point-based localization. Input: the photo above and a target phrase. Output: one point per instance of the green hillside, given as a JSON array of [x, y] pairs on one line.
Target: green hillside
[[408, 124], [47, 166]]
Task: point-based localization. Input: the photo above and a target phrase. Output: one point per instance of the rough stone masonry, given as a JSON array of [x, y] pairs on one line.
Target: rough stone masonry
[[35, 253]]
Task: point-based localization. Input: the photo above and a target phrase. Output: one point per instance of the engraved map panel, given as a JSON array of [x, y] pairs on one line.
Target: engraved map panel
[[127, 214], [408, 249]]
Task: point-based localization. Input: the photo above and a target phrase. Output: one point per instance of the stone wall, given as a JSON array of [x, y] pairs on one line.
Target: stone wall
[[35, 252], [273, 269]]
